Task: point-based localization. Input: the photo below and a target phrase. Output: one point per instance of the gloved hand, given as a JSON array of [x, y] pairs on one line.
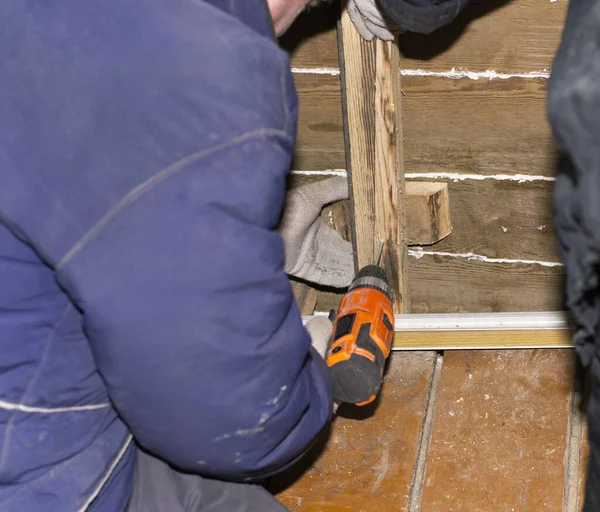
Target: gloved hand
[[314, 251], [319, 328], [370, 21]]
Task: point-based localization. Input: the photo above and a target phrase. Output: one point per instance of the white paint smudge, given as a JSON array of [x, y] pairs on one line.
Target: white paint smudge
[[275, 401], [419, 252], [264, 417], [457, 176], [240, 432], [452, 176], [458, 73], [383, 467], [323, 172], [317, 71]]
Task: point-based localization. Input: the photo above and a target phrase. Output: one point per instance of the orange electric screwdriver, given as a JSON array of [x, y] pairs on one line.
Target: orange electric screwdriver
[[363, 329]]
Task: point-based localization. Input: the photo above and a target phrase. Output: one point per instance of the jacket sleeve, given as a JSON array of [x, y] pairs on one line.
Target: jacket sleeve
[[192, 320]]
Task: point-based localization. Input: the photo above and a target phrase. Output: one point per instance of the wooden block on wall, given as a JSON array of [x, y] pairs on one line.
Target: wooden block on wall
[[490, 219], [502, 219], [428, 212]]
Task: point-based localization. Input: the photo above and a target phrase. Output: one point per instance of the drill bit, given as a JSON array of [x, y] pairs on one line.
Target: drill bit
[[379, 253]]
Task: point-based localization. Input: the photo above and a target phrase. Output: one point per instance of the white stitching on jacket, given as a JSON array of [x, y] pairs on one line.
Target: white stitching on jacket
[[112, 467], [8, 406], [138, 191]]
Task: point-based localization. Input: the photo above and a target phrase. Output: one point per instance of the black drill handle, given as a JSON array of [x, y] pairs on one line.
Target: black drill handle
[[358, 379]]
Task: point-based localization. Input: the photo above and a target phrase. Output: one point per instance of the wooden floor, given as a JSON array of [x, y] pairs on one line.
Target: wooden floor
[[463, 431]]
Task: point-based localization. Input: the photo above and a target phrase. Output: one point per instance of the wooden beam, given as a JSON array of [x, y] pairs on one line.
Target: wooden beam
[[374, 158], [479, 340], [428, 212]]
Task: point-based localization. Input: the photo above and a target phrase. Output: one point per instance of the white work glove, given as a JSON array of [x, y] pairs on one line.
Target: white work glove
[[314, 251], [370, 21], [319, 328]]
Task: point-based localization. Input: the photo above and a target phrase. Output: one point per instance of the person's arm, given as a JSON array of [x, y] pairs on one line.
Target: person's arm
[[193, 323]]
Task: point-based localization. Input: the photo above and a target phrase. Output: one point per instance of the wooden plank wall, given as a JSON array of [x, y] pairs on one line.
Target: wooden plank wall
[[474, 116]]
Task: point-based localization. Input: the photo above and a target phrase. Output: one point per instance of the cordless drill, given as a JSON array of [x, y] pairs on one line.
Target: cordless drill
[[362, 335]]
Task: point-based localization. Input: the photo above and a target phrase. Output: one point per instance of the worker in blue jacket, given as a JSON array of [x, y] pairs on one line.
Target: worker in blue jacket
[[144, 302], [152, 356]]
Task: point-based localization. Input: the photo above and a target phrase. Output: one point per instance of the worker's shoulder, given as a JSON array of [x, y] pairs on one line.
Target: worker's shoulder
[[100, 99]]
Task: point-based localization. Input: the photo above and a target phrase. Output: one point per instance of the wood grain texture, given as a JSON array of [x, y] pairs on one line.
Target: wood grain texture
[[440, 284], [481, 211], [465, 126], [320, 139], [505, 36], [374, 158], [467, 340], [496, 219], [478, 127], [501, 219], [499, 432], [457, 126], [369, 459], [427, 212]]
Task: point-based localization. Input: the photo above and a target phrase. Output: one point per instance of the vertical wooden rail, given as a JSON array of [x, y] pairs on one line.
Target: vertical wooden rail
[[374, 158]]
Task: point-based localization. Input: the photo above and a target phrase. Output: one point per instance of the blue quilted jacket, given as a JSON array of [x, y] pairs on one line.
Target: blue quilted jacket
[[144, 148]]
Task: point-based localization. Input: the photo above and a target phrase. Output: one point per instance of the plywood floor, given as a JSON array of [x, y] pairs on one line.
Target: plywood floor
[[461, 431]]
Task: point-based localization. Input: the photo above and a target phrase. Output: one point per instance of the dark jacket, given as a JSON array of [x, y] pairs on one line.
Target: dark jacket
[[144, 148], [574, 111], [422, 16]]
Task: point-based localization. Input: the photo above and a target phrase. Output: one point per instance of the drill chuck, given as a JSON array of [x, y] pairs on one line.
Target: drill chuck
[[372, 276]]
